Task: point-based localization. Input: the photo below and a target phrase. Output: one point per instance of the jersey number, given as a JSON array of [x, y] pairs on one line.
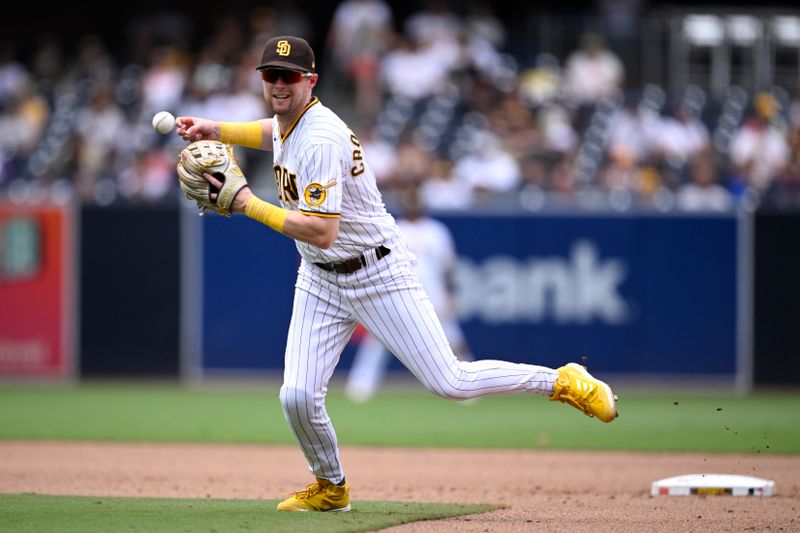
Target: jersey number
[[287, 184]]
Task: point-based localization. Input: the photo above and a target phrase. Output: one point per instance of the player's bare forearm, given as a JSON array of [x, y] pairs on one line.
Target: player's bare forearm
[[266, 132], [317, 231]]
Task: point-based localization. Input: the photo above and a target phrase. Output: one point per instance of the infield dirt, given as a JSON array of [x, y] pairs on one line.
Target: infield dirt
[[542, 490]]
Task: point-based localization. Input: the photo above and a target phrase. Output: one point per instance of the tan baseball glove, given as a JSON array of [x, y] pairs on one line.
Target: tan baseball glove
[[217, 159]]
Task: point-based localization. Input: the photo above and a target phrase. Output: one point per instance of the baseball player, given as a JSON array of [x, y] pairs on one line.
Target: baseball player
[[432, 245], [355, 268]]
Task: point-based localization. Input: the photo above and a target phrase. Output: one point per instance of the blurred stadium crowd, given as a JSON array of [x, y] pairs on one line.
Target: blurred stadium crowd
[[437, 100]]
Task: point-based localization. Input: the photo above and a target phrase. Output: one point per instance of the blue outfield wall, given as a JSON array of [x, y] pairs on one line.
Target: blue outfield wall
[[248, 281], [642, 294], [631, 294]]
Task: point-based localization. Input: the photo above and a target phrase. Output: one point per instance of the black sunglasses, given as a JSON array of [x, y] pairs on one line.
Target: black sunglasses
[[272, 75]]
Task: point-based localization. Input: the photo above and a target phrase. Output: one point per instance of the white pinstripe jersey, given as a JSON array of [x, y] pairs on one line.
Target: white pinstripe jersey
[[320, 170]]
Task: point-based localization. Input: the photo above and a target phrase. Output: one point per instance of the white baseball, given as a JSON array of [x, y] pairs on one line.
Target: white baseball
[[163, 122]]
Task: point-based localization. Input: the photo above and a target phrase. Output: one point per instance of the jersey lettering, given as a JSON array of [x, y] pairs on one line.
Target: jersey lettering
[[287, 184], [358, 158], [320, 152]]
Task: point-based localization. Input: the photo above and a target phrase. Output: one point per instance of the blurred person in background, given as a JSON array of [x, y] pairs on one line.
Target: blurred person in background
[[407, 71], [630, 164], [487, 168], [703, 192], [516, 125], [434, 23], [556, 126], [562, 177], [434, 248], [681, 136], [211, 77], [759, 150], [624, 173], [148, 177], [592, 73], [484, 40], [164, 80], [413, 164], [633, 129], [541, 84], [441, 191], [97, 126], [357, 40], [25, 115], [784, 190], [440, 40], [240, 99]]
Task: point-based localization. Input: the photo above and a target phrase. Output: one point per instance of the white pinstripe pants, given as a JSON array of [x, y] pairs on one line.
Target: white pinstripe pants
[[386, 297]]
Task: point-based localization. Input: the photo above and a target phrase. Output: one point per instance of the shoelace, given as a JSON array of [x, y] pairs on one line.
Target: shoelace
[[308, 492], [581, 403]]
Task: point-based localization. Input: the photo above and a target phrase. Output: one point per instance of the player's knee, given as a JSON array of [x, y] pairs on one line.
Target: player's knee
[[296, 399], [451, 391]]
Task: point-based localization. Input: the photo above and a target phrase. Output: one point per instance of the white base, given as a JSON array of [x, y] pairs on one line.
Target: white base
[[713, 485]]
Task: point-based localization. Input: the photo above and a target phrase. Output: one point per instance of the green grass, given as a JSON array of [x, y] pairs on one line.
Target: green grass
[[31, 512], [760, 423]]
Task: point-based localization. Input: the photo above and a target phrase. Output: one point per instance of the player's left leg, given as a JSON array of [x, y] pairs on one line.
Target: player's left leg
[[401, 315]]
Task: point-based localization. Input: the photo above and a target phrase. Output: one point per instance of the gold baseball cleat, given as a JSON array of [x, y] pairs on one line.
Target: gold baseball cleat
[[581, 390], [321, 496]]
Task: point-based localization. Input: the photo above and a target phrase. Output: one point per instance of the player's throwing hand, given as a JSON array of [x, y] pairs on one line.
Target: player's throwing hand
[[197, 129]]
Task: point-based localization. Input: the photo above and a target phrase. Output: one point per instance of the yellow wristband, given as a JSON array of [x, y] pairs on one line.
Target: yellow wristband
[[247, 134], [266, 213]]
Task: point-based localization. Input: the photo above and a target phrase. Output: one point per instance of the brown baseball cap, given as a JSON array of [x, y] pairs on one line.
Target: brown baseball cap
[[289, 52]]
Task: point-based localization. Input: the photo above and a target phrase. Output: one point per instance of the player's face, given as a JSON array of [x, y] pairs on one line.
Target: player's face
[[286, 91]]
